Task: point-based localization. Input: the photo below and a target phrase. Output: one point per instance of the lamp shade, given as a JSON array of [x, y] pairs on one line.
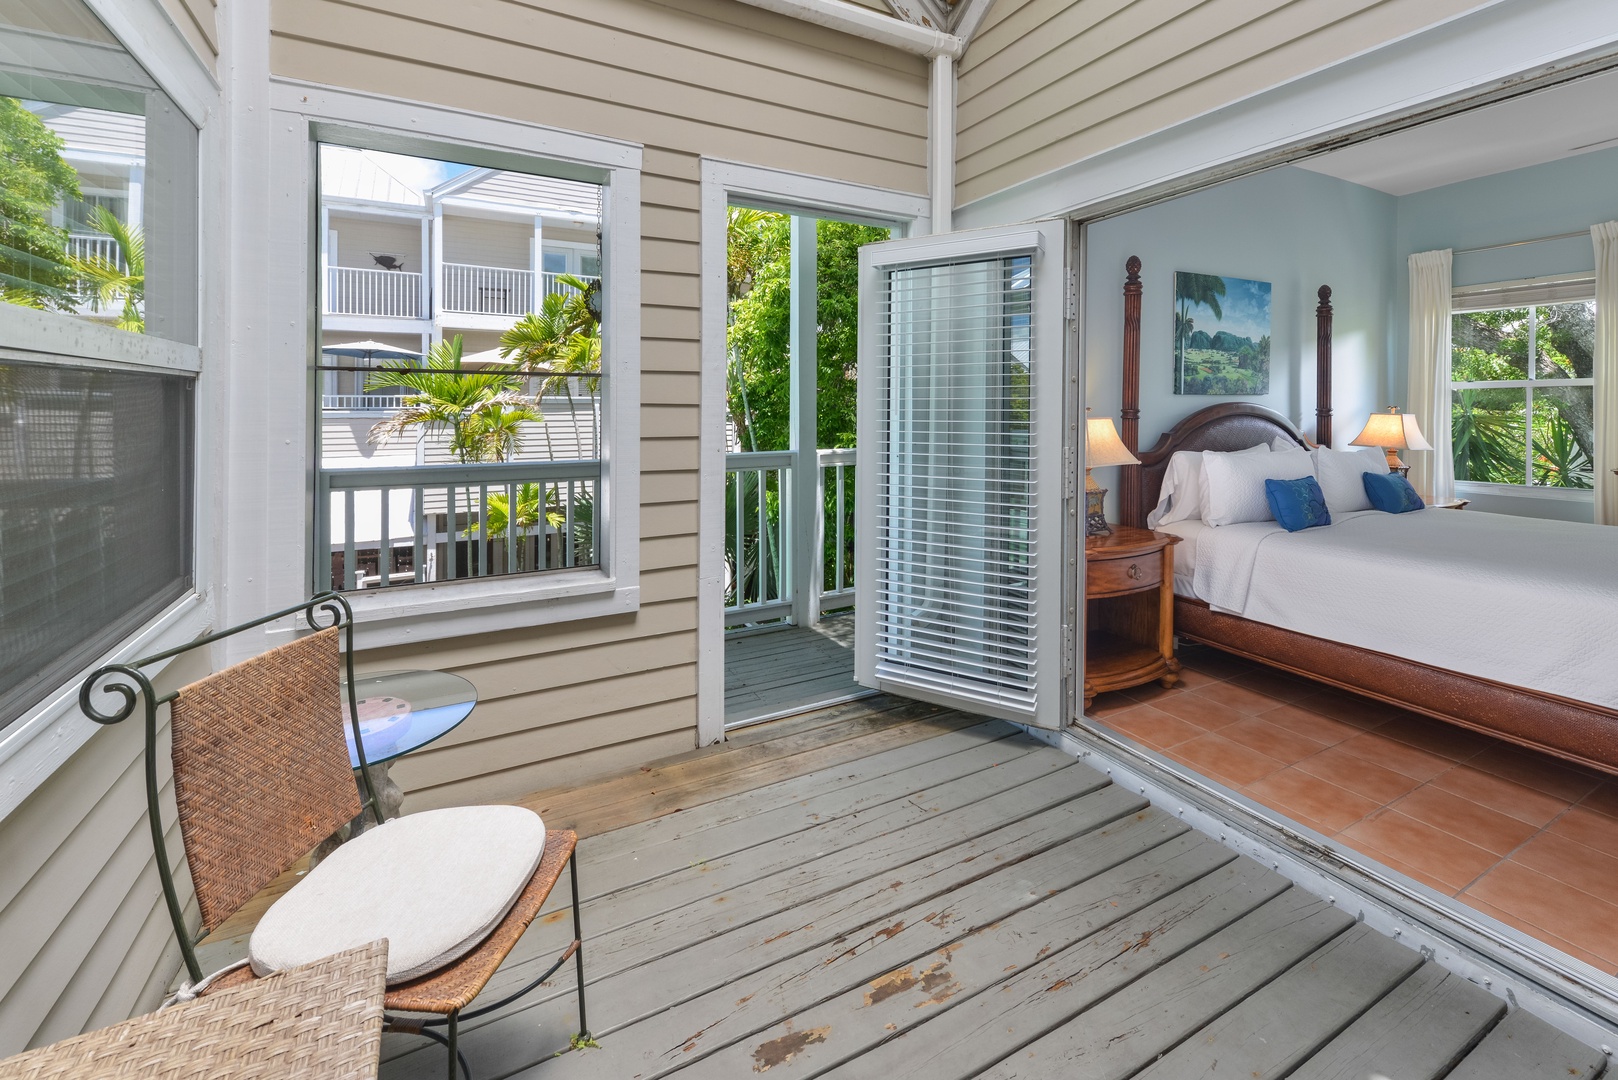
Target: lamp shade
[[1102, 446], [1392, 429]]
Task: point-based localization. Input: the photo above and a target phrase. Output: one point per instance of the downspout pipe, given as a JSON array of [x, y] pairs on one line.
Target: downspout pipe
[[941, 143], [871, 25]]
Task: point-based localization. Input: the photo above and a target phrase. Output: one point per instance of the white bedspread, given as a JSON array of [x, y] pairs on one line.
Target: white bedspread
[[1524, 601]]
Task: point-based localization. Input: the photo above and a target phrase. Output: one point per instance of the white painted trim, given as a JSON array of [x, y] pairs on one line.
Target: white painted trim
[[1571, 996], [868, 24], [941, 142], [722, 183], [1523, 491], [1486, 49], [150, 35], [968, 16], [35, 745], [55, 336], [449, 609]]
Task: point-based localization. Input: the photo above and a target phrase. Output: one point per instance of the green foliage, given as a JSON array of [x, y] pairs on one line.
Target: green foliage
[[759, 279], [1221, 363], [1490, 429], [117, 281], [482, 411], [34, 179]]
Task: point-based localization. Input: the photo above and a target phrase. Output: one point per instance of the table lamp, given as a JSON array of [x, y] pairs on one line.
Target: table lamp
[[1392, 431], [1102, 446]]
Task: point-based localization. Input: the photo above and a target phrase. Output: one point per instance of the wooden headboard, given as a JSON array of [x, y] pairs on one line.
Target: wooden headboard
[[1229, 425]]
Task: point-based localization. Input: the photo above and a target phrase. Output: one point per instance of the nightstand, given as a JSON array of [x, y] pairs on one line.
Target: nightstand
[[1129, 601]]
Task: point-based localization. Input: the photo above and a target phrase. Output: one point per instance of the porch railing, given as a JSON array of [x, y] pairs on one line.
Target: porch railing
[[361, 402], [487, 290], [355, 290], [759, 533], [94, 246], [382, 527]]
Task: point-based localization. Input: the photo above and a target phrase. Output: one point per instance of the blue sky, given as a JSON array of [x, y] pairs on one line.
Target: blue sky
[[1246, 307]]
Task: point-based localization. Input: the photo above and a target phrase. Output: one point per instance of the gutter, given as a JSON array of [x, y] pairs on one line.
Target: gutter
[[871, 25]]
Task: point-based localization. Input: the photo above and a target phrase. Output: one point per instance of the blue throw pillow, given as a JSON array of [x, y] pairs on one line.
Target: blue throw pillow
[[1297, 504], [1391, 493]]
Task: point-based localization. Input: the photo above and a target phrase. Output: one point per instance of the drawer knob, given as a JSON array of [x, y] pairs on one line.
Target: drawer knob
[[1134, 571]]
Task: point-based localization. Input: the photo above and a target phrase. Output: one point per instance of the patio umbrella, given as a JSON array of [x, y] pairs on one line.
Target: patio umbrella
[[369, 350]]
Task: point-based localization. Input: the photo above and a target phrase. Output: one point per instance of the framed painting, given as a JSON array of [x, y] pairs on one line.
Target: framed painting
[[1221, 335]]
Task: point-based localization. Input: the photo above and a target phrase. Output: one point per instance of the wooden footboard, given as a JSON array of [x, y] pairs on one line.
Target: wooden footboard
[[1574, 730]]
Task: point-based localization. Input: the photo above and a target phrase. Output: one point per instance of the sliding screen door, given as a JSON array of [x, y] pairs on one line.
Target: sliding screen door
[[960, 504]]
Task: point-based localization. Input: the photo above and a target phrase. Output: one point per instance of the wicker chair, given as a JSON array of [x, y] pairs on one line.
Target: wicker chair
[[262, 774]]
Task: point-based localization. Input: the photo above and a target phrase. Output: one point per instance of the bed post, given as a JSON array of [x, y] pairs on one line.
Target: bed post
[[1130, 511], [1323, 368]]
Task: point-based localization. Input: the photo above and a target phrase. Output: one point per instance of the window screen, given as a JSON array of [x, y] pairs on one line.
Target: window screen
[[95, 516]]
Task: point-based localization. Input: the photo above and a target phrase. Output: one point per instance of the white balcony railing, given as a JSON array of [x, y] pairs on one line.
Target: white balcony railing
[[759, 534], [555, 286], [487, 290], [361, 402], [94, 246], [382, 527], [354, 290]]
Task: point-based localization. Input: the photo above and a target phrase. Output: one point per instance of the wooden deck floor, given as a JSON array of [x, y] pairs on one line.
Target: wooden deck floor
[[889, 889], [776, 672]]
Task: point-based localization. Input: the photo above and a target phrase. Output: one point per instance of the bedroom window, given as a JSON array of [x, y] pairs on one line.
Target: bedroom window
[[1523, 392]]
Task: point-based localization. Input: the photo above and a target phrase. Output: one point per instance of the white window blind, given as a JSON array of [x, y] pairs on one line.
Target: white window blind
[[955, 554], [1539, 291]]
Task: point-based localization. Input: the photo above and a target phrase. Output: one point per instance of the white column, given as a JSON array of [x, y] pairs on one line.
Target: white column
[[435, 306], [941, 143], [536, 262], [427, 292], [804, 550]]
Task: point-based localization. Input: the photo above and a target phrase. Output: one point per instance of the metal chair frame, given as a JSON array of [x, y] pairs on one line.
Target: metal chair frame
[[133, 688]]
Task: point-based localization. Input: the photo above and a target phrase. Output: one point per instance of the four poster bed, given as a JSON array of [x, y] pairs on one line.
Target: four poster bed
[[1420, 610]]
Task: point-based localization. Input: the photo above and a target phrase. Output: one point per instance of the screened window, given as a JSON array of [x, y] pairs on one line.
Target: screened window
[[1523, 394], [95, 516], [463, 393]]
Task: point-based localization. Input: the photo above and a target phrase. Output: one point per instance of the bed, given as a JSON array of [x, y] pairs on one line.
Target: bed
[[1441, 612]]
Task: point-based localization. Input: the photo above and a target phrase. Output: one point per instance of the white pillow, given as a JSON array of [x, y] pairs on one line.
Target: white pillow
[[1281, 444], [1233, 484], [1341, 475], [1181, 496], [435, 884]]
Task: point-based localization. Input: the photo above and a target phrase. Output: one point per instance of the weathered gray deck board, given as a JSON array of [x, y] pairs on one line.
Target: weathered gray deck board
[[1418, 1032], [977, 907], [770, 672], [1280, 1026], [1522, 1046]]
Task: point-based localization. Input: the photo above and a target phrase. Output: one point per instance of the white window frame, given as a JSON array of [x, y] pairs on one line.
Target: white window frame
[[36, 744], [303, 112], [1532, 294]]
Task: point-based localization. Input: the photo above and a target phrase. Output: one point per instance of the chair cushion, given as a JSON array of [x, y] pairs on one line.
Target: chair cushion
[[435, 884]]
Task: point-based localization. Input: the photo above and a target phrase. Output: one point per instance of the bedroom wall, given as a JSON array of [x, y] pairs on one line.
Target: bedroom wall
[[1542, 200], [1295, 229]]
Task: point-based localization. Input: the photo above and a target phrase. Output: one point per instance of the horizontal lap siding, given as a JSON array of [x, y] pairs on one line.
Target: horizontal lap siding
[[1047, 83], [686, 78], [197, 22]]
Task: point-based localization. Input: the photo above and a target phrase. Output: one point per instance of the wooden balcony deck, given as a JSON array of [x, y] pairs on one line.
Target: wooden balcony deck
[[770, 673], [890, 889]]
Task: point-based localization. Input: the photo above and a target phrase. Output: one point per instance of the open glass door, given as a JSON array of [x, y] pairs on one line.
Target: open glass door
[[959, 579]]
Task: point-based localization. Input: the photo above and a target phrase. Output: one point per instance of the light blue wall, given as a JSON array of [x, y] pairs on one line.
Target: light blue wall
[[1295, 229], [1542, 200]]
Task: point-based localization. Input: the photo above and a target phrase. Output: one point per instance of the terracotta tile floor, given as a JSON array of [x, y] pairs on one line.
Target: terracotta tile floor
[[1519, 836]]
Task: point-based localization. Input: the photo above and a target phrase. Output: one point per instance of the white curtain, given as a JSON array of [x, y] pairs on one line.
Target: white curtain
[[1606, 372], [1432, 472]]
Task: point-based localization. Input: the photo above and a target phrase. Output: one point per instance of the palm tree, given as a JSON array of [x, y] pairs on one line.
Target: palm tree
[[481, 411], [561, 341], [121, 279], [1191, 290]]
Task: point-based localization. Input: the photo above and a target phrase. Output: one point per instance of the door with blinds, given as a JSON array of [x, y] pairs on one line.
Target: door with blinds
[[960, 597]]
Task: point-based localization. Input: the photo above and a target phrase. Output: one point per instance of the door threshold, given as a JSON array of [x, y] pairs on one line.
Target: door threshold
[[799, 710]]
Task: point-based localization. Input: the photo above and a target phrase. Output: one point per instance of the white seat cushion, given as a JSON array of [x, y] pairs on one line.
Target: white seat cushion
[[435, 884]]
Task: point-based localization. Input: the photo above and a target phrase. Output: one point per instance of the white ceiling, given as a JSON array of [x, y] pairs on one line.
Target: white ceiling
[[1573, 118]]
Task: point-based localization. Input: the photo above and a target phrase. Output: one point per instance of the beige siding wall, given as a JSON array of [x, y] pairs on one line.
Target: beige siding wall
[[87, 939], [196, 20], [357, 237], [1046, 83], [482, 242], [686, 78]]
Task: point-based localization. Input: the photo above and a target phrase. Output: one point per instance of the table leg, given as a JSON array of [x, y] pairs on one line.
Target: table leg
[[388, 793]]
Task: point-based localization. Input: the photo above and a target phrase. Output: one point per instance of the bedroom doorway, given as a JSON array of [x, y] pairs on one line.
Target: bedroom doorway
[[1510, 848]]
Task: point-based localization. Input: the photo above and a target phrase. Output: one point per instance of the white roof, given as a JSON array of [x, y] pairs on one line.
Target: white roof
[[347, 173], [525, 191]]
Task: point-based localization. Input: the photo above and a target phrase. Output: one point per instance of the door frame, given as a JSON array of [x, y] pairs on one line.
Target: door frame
[[722, 183]]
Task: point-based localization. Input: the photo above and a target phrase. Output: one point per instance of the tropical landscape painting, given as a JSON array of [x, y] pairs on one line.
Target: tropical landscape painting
[[1221, 335]]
